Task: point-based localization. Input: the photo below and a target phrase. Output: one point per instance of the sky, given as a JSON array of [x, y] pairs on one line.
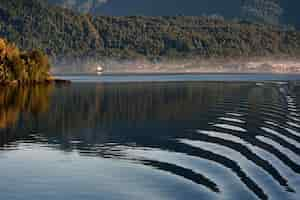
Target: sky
[[171, 7], [226, 8]]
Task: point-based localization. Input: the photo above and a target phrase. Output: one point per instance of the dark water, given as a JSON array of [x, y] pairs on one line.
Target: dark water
[[159, 140], [172, 77]]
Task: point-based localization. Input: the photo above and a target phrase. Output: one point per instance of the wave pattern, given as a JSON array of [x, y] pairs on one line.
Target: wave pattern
[[278, 123], [251, 132], [246, 128]]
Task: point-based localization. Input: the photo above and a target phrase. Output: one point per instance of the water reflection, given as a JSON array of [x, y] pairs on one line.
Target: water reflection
[[19, 103], [14, 100], [195, 120]]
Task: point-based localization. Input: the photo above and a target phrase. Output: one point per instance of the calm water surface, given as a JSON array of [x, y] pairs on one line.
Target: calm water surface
[[184, 139]]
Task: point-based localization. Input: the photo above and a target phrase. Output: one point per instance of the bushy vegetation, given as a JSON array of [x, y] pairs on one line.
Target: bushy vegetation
[[66, 34], [27, 66]]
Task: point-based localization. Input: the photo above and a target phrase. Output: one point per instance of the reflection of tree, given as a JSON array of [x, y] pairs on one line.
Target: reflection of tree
[[131, 105], [82, 111], [91, 112], [17, 100], [113, 120]]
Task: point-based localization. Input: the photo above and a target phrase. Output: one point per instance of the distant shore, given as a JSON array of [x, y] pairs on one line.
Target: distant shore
[[185, 66]]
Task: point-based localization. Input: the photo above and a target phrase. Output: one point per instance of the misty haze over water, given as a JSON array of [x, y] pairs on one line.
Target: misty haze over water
[[195, 65]]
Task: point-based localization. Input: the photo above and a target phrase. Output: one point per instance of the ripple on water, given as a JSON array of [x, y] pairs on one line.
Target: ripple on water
[[230, 127], [214, 142], [235, 114], [282, 149], [257, 181], [282, 136], [293, 124], [294, 118], [232, 120], [293, 131], [294, 114], [223, 136]]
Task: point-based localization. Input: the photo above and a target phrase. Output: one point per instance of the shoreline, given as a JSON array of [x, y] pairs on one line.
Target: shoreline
[[150, 73], [51, 80]]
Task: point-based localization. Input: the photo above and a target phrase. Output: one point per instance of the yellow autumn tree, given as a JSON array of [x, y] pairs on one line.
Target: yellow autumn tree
[[26, 66]]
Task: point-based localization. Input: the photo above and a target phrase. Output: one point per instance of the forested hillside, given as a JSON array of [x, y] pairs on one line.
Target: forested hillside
[[66, 34]]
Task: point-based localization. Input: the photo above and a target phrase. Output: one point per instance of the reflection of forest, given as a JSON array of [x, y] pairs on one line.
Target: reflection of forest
[[18, 103], [94, 112], [17, 100], [84, 109], [83, 106], [132, 121]]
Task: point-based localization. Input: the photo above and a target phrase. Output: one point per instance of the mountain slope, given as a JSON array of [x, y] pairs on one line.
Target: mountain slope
[[65, 34]]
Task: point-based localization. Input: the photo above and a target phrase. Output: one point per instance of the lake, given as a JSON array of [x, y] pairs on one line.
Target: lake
[[132, 137]]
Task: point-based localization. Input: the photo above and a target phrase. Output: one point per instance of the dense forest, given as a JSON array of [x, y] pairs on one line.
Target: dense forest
[[25, 67], [65, 34]]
